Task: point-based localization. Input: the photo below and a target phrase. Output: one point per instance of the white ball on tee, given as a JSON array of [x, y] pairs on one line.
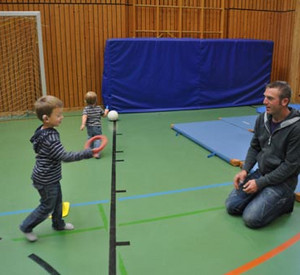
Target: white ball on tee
[[113, 115]]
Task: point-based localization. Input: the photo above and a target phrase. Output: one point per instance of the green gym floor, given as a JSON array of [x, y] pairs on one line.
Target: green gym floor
[[172, 214]]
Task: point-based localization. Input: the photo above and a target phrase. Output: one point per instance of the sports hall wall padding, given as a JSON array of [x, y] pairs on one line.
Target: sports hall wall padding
[[144, 75]]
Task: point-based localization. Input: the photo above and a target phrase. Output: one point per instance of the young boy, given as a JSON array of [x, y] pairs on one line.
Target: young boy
[[46, 173], [91, 118]]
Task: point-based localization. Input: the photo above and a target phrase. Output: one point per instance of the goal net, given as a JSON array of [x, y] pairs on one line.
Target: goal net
[[22, 76]]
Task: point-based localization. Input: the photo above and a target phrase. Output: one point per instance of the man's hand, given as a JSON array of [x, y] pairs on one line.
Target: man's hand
[[239, 177], [250, 187]]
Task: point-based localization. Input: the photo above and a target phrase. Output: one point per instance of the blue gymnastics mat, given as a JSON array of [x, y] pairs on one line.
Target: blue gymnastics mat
[[262, 109], [165, 74], [228, 138], [244, 122]]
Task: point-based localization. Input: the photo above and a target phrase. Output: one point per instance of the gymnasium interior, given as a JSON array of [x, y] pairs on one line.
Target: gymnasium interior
[[186, 78]]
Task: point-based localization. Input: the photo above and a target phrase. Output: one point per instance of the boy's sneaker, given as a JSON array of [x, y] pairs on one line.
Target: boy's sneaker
[[68, 226], [98, 156], [30, 236]]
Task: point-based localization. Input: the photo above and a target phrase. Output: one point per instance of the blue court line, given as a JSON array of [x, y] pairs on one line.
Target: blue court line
[[9, 213], [174, 191], [72, 205], [89, 203]]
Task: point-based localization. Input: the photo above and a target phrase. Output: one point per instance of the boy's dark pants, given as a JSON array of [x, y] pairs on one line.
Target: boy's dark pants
[[50, 202]]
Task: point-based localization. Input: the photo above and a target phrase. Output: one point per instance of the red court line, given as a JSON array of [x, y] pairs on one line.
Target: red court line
[[265, 257]]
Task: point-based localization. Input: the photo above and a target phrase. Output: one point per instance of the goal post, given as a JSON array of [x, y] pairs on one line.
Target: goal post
[[22, 74]]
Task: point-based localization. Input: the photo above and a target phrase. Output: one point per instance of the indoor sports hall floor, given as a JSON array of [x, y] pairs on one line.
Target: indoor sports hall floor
[[172, 214]]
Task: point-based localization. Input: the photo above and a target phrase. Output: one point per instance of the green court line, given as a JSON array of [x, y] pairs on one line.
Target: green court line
[[173, 216], [122, 268], [103, 216], [76, 231], [105, 221]]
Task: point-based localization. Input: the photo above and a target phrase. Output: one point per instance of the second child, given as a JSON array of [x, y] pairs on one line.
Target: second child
[[91, 118]]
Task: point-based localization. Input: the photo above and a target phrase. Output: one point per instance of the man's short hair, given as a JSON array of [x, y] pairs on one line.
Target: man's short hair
[[283, 87], [45, 105]]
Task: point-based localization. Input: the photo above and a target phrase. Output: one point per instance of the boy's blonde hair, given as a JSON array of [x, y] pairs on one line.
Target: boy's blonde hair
[[91, 98], [46, 104]]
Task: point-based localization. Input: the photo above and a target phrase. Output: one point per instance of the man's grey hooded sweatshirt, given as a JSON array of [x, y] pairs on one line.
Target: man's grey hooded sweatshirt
[[277, 153]]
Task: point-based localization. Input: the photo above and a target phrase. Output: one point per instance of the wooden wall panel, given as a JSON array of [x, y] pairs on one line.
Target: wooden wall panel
[[75, 32], [178, 18], [270, 20], [266, 5], [294, 75], [74, 36]]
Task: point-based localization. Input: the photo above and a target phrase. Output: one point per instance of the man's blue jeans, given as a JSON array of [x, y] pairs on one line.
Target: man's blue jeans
[[50, 202], [261, 208]]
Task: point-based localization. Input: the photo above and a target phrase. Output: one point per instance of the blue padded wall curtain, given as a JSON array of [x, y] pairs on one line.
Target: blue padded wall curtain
[[144, 75]]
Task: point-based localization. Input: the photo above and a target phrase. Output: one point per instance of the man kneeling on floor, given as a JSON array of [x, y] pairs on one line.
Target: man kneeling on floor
[[267, 193]]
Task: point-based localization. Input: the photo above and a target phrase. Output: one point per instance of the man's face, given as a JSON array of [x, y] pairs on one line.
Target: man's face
[[273, 103]]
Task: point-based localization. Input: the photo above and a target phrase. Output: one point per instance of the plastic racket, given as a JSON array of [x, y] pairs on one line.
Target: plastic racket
[[102, 145]]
